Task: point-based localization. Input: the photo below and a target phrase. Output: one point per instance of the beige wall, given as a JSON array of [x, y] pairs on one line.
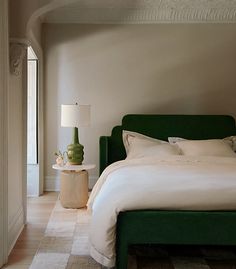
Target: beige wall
[[17, 124], [120, 69], [4, 89], [16, 156]]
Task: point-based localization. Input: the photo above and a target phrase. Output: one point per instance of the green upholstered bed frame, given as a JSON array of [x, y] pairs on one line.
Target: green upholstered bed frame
[[169, 227]]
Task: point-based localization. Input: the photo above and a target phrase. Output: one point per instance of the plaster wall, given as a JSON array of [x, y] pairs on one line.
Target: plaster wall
[[19, 14], [4, 70], [16, 154], [120, 69]]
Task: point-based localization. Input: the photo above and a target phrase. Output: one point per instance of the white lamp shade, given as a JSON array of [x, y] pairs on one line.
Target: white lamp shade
[[75, 115]]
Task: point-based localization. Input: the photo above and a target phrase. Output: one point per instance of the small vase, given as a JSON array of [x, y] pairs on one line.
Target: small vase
[[59, 161]]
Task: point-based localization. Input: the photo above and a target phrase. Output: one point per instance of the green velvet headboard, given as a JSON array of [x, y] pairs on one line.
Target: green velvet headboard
[[161, 127]]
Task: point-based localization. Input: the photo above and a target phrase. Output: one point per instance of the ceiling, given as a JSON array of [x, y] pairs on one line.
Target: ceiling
[[144, 11]]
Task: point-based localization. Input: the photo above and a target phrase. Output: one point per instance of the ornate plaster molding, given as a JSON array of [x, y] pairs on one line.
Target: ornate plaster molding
[[145, 11], [17, 53]]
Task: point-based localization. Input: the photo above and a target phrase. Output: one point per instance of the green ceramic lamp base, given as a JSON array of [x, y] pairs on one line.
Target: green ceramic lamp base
[[75, 151]]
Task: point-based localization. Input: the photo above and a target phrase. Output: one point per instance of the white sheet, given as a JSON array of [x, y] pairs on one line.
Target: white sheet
[[176, 182]]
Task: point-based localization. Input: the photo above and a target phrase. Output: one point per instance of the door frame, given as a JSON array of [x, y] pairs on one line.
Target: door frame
[[4, 80]]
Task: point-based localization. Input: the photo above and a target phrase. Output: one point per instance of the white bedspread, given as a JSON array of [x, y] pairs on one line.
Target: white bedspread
[[179, 183]]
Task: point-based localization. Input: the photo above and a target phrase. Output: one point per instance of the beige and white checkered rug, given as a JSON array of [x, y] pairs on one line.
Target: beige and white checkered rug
[[65, 246]]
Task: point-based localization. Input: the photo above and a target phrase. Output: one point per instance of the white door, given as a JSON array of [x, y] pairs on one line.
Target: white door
[[4, 73]]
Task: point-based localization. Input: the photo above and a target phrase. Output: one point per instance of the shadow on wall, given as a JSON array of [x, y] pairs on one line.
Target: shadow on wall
[[173, 68], [76, 31], [52, 111], [212, 102]]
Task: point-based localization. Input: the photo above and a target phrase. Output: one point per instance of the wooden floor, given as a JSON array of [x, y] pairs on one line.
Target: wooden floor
[[39, 211]]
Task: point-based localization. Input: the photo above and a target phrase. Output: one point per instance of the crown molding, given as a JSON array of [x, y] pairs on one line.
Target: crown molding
[[145, 11]]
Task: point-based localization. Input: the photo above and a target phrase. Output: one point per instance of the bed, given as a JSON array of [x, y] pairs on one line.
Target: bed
[[169, 226]]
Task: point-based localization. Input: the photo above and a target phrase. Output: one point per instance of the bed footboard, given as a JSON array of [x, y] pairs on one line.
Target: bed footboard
[[173, 227]]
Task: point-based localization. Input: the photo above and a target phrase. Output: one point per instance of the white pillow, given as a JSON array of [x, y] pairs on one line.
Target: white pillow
[[230, 140], [211, 147], [128, 136], [143, 146]]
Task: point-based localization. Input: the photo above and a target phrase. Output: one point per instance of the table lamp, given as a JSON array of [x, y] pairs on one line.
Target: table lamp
[[75, 116]]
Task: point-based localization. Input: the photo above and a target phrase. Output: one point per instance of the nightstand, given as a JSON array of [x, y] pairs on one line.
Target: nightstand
[[74, 184]]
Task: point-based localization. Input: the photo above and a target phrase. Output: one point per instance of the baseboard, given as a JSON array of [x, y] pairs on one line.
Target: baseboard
[[52, 183], [16, 225]]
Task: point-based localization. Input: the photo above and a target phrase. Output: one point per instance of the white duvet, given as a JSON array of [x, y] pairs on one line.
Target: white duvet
[[176, 182]]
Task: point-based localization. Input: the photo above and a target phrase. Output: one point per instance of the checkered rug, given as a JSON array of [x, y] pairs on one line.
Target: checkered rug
[[65, 246]]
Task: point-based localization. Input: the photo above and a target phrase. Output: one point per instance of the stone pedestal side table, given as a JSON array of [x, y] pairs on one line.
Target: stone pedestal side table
[[74, 185]]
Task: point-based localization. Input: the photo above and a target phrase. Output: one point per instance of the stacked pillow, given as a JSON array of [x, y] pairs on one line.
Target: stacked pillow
[[138, 145], [210, 147]]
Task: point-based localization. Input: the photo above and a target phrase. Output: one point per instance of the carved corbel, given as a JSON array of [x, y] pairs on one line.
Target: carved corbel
[[17, 53]]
